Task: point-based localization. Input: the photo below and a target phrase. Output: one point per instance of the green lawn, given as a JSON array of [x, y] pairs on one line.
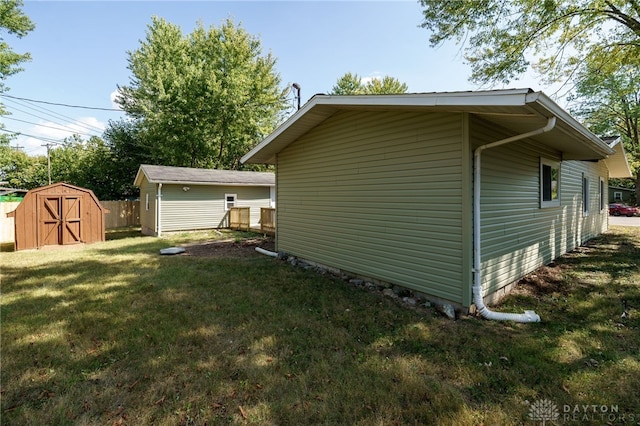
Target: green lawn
[[114, 333]]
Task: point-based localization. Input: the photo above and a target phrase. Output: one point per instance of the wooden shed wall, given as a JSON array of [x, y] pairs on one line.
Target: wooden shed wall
[[30, 226]]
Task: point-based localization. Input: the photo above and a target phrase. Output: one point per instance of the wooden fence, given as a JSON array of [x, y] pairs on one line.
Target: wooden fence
[[267, 220], [7, 227], [127, 213], [121, 214], [240, 218]]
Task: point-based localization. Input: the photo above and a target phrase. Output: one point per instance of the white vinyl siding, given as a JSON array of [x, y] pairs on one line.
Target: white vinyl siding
[[517, 235], [203, 206], [380, 194]]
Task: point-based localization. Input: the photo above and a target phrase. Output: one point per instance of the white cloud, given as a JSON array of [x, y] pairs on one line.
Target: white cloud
[[113, 96], [376, 75]]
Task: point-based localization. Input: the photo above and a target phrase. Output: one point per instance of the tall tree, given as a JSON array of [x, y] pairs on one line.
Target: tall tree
[[503, 37], [12, 22], [348, 84], [204, 99], [352, 84], [20, 170], [609, 104], [385, 86]]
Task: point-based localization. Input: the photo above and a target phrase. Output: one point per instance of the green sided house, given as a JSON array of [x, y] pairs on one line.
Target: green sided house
[[182, 198], [453, 195]]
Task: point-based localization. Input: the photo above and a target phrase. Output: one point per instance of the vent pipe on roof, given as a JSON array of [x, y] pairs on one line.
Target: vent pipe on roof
[[297, 87], [528, 316]]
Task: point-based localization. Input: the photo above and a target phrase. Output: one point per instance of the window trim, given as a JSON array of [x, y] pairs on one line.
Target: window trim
[[617, 196], [586, 196], [226, 201], [603, 199], [553, 164]]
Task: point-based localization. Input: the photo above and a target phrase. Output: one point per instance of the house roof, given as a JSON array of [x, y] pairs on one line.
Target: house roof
[[516, 110], [192, 176], [6, 191], [617, 163]]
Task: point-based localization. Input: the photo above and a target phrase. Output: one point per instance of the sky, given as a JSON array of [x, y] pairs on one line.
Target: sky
[[79, 54]]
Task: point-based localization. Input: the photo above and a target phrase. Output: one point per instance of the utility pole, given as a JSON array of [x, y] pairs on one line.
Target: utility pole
[[48, 145]]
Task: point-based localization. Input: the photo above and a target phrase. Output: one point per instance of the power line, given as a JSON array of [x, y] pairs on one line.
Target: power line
[[49, 127], [42, 138], [55, 115], [60, 104]]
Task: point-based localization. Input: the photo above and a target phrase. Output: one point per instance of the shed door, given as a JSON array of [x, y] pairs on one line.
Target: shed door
[[59, 219]]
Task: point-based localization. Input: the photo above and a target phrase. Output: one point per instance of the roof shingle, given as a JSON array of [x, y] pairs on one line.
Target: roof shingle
[[192, 176]]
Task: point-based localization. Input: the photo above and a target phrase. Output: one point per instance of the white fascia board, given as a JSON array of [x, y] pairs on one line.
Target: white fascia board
[[280, 129], [618, 164], [138, 179], [185, 182], [510, 97], [539, 98]]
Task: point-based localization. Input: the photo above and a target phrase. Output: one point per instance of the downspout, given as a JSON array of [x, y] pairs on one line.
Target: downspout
[[159, 210], [528, 316]]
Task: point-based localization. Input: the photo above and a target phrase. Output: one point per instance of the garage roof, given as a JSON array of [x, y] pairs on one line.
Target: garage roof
[[193, 176], [517, 110]]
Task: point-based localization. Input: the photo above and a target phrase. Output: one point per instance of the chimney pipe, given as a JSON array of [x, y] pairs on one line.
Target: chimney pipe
[[297, 87]]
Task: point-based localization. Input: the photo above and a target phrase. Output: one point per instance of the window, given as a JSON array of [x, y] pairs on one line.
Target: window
[[617, 196], [146, 202], [229, 201], [549, 183], [585, 195]]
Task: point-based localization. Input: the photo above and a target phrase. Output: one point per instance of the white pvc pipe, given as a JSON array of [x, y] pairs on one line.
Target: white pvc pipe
[[159, 210], [528, 316], [267, 252]]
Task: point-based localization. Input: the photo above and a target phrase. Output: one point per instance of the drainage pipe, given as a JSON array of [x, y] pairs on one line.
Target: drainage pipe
[[528, 316], [159, 210], [267, 252]]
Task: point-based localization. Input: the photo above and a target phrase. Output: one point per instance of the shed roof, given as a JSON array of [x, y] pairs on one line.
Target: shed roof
[[517, 110], [193, 176]]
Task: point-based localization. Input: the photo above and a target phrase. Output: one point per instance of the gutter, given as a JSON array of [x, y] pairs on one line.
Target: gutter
[[159, 210], [528, 316]]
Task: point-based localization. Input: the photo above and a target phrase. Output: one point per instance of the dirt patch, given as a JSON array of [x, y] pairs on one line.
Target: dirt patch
[[230, 248]]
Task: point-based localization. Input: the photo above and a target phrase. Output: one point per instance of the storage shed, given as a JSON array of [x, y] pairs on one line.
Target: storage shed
[[58, 214]]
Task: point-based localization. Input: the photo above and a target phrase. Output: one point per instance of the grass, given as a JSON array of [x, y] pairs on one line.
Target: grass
[[115, 334]]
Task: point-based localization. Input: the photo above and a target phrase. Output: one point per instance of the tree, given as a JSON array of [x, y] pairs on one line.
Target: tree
[[609, 104], [348, 84], [201, 100], [91, 164], [13, 22], [21, 171], [351, 84], [385, 86], [504, 36]]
